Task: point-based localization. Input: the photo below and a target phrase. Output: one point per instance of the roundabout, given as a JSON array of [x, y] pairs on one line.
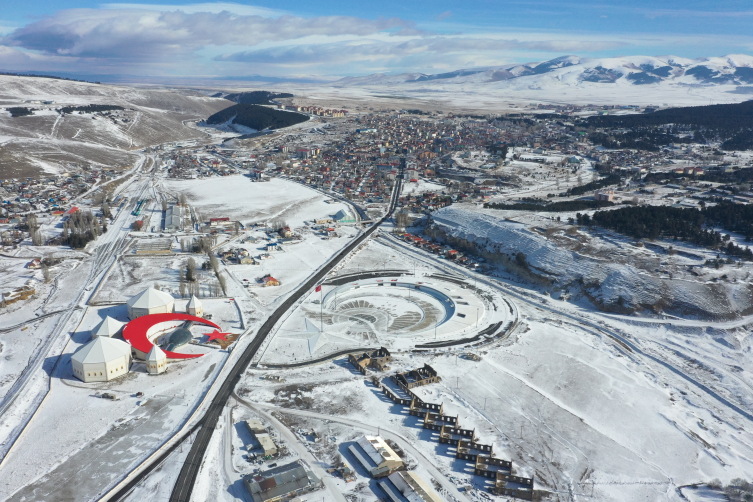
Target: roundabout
[[396, 312]]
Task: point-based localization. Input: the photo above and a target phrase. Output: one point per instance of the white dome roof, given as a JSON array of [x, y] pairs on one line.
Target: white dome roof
[[150, 298], [108, 327], [156, 355], [101, 350]]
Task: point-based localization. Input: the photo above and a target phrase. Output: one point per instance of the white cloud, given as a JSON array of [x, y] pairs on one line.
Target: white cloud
[[137, 34], [426, 46], [229, 39], [214, 8]]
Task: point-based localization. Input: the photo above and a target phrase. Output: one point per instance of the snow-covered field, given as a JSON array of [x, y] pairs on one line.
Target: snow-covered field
[[240, 199]]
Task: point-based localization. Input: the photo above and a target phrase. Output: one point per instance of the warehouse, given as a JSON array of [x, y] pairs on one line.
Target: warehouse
[[376, 456], [407, 486], [101, 360], [150, 301], [174, 219], [281, 482], [267, 444]]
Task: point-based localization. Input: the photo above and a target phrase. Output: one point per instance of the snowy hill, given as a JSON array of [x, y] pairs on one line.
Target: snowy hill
[[606, 281], [50, 141]]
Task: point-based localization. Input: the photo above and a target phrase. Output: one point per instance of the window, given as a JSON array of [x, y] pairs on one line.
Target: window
[[461, 315]]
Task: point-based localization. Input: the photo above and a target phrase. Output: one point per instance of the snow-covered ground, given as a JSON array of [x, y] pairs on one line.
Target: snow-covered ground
[[610, 267], [240, 199]]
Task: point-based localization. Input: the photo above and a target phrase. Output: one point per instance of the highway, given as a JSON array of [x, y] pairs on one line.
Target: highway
[[206, 426]]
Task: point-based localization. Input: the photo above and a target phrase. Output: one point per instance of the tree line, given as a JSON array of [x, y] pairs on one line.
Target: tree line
[[732, 124], [256, 117], [552, 207], [687, 224], [612, 179]]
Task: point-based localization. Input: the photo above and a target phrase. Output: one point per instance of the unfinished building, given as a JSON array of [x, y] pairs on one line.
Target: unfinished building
[[417, 378], [376, 360], [449, 431]]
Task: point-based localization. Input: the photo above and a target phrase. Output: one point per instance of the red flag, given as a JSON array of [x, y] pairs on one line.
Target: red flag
[[318, 288]]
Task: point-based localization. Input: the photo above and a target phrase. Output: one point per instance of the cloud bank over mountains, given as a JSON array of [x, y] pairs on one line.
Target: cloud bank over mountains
[[221, 39]]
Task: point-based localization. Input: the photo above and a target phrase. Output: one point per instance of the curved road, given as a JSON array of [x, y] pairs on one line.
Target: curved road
[[206, 426], [187, 477]]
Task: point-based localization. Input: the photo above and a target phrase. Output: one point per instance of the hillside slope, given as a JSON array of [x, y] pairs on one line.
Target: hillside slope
[[49, 141], [611, 285]]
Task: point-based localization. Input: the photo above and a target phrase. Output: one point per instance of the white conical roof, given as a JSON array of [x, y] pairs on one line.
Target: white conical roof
[[194, 303], [101, 350], [108, 327], [149, 298], [156, 355]]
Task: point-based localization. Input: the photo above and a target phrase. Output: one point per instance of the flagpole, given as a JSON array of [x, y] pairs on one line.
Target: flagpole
[[321, 307]]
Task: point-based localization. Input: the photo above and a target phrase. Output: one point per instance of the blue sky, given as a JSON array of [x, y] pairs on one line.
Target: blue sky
[[327, 39]]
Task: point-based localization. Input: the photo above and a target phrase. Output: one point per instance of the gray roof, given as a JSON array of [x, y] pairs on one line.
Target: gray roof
[[279, 481]]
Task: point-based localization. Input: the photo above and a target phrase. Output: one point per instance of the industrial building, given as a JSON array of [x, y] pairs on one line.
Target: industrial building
[[101, 360], [343, 216], [281, 482], [109, 327], [376, 456], [407, 486], [150, 301], [254, 426], [267, 444], [174, 219]]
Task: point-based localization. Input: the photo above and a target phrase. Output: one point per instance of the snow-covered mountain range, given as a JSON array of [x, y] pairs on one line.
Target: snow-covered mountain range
[[735, 69]]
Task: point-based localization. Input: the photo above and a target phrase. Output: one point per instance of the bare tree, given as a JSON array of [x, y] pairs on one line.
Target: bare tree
[[164, 205], [221, 280], [214, 263], [183, 199], [46, 273], [191, 270], [182, 283], [36, 238]]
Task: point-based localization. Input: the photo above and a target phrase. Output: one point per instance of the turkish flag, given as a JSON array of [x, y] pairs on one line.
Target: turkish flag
[[318, 288]]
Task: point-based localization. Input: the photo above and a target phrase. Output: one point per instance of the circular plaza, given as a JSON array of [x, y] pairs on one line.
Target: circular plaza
[[399, 313]]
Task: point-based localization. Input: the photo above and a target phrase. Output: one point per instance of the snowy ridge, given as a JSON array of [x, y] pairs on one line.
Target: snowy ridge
[[606, 282], [734, 69]]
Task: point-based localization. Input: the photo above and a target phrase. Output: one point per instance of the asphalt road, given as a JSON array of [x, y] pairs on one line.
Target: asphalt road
[[187, 477], [206, 426]]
